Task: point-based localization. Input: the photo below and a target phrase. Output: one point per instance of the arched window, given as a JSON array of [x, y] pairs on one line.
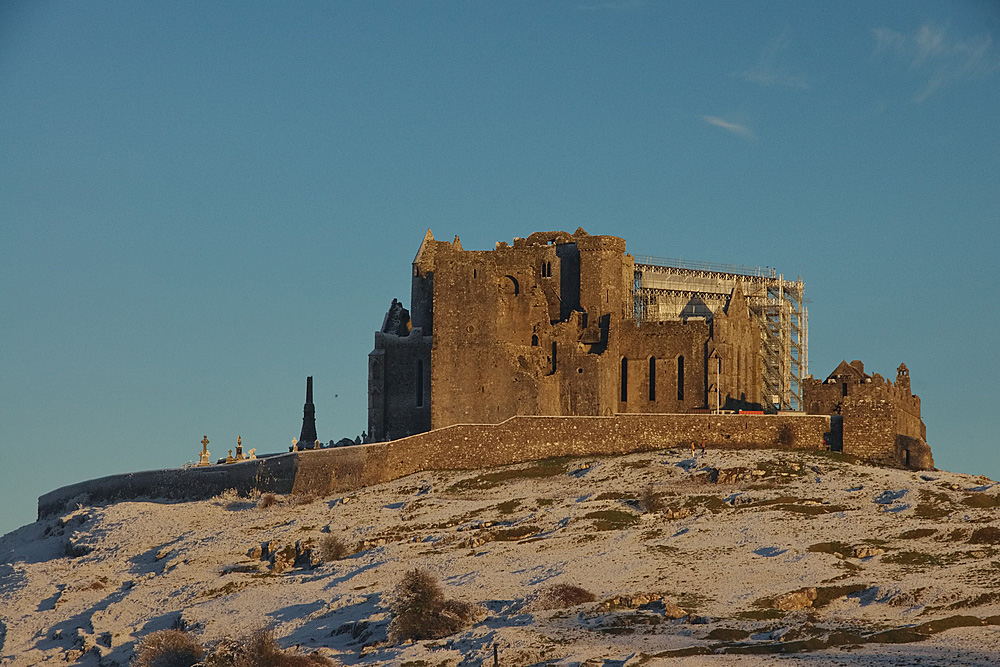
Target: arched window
[[534, 340], [624, 379], [510, 286], [652, 378], [420, 383], [680, 378]]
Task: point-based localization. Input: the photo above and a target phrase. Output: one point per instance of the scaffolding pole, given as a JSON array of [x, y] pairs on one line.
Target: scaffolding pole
[[666, 290]]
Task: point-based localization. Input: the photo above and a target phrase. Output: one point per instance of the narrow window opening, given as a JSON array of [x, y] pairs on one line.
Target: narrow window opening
[[553, 356], [680, 378], [624, 379], [475, 273], [843, 388], [652, 378], [420, 384], [534, 340]]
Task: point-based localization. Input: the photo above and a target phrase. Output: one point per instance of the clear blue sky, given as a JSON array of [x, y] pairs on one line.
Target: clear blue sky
[[203, 203]]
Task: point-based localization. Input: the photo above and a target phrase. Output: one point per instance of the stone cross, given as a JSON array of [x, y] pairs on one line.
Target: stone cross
[[205, 454]]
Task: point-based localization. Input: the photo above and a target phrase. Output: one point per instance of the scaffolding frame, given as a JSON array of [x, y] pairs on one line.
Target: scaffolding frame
[[674, 289]]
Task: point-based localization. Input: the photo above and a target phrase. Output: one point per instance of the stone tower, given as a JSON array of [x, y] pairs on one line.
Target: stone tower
[[308, 437]]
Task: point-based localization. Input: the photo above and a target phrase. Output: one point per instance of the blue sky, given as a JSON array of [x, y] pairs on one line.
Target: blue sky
[[203, 203]]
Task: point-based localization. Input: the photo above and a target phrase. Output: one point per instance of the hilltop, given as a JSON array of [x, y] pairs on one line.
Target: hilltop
[[757, 552]]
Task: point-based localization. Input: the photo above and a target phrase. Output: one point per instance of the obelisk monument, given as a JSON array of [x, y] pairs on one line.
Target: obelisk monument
[[308, 438]]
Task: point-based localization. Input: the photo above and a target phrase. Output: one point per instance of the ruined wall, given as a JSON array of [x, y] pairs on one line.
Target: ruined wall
[[541, 327], [870, 429], [672, 344], [399, 385], [736, 338], [881, 419]]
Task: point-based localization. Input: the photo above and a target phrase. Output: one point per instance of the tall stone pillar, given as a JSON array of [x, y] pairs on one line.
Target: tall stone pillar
[[308, 437]]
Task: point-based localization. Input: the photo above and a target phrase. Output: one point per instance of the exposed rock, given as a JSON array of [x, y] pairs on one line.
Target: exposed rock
[[867, 552], [799, 599], [626, 601], [728, 475], [670, 610]]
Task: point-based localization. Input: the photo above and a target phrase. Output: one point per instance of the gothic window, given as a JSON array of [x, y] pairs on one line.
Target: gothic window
[[624, 379], [534, 340], [652, 378], [680, 378], [546, 269]]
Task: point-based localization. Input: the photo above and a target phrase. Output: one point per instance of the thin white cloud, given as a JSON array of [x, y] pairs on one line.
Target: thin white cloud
[[938, 58], [769, 71], [735, 128]]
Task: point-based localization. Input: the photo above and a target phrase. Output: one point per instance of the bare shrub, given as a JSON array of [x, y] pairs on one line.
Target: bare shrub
[[267, 500], [560, 596], [649, 502], [227, 497], [332, 548], [260, 649], [420, 610], [167, 648]]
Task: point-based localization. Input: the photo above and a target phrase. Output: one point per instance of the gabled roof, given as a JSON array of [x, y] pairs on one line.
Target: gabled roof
[[849, 370]]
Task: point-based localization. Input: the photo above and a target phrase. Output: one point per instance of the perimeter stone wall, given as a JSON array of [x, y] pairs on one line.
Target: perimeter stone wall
[[526, 438]]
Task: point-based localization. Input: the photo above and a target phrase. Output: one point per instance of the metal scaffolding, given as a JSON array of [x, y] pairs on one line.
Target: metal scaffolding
[[674, 289]]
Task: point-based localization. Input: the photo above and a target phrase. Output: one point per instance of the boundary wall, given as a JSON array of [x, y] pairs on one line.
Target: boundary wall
[[457, 447]]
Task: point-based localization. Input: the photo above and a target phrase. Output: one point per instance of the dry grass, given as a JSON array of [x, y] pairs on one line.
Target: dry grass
[[167, 648], [267, 500], [560, 596], [985, 535], [303, 499], [420, 610]]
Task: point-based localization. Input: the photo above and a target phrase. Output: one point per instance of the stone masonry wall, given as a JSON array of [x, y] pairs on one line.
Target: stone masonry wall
[[273, 473], [527, 438]]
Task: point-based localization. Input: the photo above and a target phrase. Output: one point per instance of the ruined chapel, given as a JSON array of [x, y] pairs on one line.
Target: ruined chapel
[[548, 325]]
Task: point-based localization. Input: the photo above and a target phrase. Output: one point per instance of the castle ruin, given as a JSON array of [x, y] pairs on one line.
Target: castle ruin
[[570, 325]]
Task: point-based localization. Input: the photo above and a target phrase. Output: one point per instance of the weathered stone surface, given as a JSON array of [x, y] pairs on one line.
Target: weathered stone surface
[[799, 599], [864, 551], [546, 326]]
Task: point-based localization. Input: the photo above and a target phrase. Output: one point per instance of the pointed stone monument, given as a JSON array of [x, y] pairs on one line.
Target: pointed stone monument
[[308, 436]]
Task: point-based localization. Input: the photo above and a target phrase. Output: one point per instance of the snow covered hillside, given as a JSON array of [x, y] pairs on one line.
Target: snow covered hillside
[[727, 557]]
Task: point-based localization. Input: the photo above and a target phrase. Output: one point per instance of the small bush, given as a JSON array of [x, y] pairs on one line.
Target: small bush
[[420, 610], [649, 502], [267, 500], [167, 648], [332, 548], [561, 596], [261, 650]]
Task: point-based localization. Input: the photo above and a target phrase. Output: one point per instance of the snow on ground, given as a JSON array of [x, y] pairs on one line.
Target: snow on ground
[[90, 584]]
